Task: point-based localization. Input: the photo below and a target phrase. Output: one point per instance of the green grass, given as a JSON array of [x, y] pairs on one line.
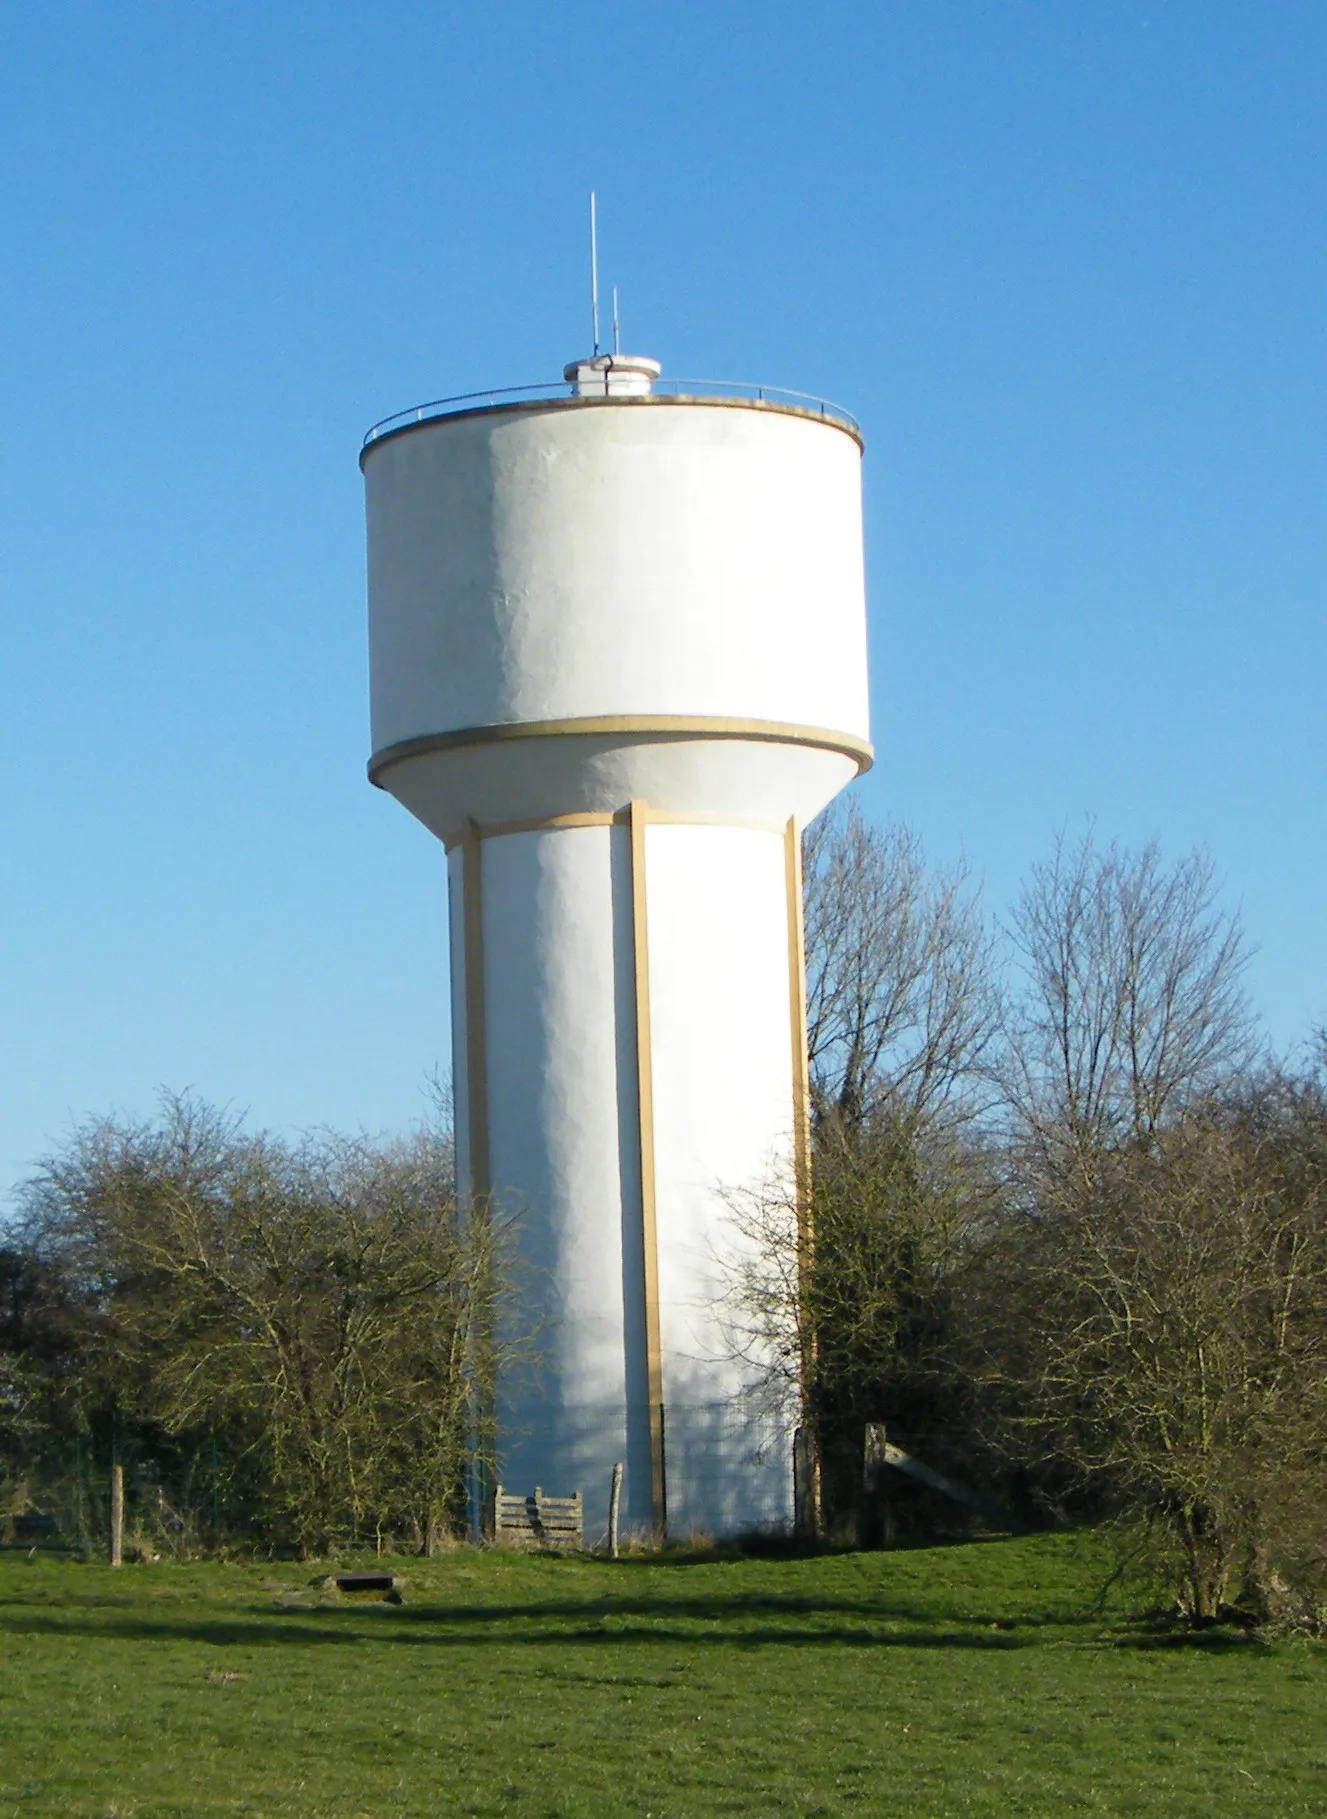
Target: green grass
[[961, 1680]]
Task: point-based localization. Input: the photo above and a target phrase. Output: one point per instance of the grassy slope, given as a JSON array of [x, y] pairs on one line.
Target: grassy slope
[[966, 1680]]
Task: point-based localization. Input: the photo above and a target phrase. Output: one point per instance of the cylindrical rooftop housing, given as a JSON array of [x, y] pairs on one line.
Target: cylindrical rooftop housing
[[618, 660]]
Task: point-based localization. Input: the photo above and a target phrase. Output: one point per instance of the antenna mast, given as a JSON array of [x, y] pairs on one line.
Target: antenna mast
[[594, 279], [616, 348]]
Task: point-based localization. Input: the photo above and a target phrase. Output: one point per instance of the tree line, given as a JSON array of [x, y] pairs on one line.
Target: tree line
[[1065, 1236], [286, 1341], [1067, 1227]]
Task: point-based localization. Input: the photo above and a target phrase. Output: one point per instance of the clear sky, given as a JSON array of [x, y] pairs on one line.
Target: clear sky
[[1066, 262]]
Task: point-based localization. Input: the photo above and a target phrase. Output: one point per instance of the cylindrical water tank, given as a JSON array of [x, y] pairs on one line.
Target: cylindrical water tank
[[618, 660]]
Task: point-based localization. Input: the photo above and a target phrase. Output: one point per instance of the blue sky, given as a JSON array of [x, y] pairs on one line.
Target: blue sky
[[1066, 262]]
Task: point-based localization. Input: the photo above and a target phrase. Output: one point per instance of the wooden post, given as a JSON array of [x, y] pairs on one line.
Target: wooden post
[[117, 1514], [806, 1486], [873, 1522], [80, 1500], [614, 1497]]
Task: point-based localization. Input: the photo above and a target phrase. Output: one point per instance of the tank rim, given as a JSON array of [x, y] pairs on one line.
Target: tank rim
[[532, 399]]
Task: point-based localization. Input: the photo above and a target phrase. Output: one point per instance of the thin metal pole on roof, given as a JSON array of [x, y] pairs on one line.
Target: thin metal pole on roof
[[594, 278]]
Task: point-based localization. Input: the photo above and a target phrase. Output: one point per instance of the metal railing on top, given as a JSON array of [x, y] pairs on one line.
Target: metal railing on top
[[667, 388]]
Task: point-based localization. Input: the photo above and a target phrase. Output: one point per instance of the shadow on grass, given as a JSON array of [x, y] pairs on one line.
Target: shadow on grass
[[634, 1622], [315, 1627], [733, 1609], [790, 1547]]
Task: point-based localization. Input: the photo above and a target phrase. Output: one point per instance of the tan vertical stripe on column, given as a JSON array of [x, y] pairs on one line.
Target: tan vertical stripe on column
[[645, 1102], [792, 852], [476, 1061]]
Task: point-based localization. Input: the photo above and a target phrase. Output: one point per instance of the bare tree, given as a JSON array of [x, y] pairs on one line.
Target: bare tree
[[859, 1326], [901, 1001], [1133, 1003], [317, 1304], [848, 1292], [1169, 1325]]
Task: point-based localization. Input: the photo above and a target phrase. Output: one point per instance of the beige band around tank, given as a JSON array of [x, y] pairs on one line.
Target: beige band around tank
[[627, 726], [607, 817]]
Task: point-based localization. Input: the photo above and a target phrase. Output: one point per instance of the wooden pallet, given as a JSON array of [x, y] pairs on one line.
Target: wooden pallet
[[537, 1521]]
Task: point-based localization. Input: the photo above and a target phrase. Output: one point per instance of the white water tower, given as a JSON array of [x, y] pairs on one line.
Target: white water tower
[[618, 660]]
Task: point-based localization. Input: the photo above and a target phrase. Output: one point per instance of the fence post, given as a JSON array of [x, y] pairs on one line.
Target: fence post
[[874, 1520], [806, 1474], [614, 1497], [80, 1502], [117, 1514]]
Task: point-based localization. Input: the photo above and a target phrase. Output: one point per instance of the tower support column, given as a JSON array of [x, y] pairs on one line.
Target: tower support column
[[631, 982]]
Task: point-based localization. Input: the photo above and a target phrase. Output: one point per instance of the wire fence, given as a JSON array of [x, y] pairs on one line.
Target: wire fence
[[176, 1506], [727, 1473]]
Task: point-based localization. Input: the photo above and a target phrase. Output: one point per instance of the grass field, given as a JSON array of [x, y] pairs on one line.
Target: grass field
[[963, 1680]]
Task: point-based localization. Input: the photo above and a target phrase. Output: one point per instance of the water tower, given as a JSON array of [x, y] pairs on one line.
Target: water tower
[[618, 660]]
